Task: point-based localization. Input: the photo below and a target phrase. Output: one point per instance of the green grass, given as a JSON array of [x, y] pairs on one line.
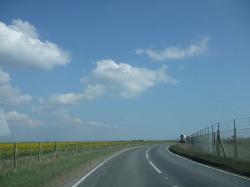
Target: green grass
[[52, 172], [59, 171], [236, 166]]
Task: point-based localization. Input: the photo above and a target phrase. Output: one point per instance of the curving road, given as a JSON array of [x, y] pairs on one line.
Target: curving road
[[156, 166]]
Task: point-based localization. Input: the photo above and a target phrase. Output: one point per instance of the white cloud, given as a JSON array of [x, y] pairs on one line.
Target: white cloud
[[126, 80], [91, 92], [20, 46], [67, 98], [16, 118], [10, 95], [173, 52], [4, 76], [117, 79], [98, 124], [4, 128]]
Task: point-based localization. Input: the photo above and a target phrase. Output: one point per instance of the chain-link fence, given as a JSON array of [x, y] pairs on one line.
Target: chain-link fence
[[229, 138]]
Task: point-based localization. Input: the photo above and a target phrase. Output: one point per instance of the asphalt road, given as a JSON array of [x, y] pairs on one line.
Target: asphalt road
[[156, 166]]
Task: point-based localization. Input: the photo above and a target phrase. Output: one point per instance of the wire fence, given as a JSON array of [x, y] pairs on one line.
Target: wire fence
[[20, 154], [229, 139]]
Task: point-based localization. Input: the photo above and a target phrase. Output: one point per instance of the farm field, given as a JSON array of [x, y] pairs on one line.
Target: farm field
[[40, 148], [54, 163]]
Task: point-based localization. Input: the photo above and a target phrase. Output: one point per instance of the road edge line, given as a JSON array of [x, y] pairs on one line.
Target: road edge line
[[210, 167], [94, 169], [151, 163]]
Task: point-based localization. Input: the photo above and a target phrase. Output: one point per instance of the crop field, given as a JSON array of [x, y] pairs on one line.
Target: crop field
[[54, 163], [35, 148], [24, 154]]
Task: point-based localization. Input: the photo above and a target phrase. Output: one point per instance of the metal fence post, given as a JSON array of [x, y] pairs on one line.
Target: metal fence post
[[235, 142], [208, 145], [217, 140], [202, 140], [213, 139]]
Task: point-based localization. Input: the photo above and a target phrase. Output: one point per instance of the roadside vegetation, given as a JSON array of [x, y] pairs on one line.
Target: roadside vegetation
[[229, 164], [60, 169]]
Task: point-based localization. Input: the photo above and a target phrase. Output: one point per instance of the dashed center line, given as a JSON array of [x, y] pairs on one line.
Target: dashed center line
[[151, 163], [159, 171]]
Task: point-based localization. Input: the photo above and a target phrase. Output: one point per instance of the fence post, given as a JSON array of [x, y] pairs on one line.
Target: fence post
[[208, 145], [15, 155], [235, 142], [39, 153], [202, 140], [199, 140], [55, 150], [76, 147], [67, 149], [217, 140], [213, 139], [31, 151], [205, 136]]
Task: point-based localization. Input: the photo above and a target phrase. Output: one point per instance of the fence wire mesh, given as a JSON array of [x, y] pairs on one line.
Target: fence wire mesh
[[229, 139]]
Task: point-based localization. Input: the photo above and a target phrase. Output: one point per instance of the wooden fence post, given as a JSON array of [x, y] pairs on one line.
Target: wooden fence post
[[55, 150], [39, 154], [67, 149], [15, 154]]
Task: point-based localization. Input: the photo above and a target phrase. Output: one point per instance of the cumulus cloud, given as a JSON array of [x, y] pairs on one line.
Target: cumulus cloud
[[4, 128], [91, 92], [126, 80], [16, 118], [62, 116], [67, 98], [173, 52], [10, 95], [20, 46], [117, 79]]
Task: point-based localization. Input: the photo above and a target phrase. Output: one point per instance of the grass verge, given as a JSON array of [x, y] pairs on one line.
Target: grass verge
[[229, 164], [54, 172]]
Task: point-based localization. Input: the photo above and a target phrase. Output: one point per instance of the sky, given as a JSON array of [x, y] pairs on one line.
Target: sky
[[119, 70]]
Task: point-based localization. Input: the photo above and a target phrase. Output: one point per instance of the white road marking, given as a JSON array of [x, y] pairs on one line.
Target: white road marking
[[159, 171], [147, 154], [90, 172], [210, 167], [166, 178]]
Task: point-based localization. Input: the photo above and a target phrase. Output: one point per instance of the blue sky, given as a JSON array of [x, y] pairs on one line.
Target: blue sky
[[95, 70]]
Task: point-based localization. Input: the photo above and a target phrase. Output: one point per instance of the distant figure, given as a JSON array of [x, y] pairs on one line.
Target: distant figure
[[183, 138]]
